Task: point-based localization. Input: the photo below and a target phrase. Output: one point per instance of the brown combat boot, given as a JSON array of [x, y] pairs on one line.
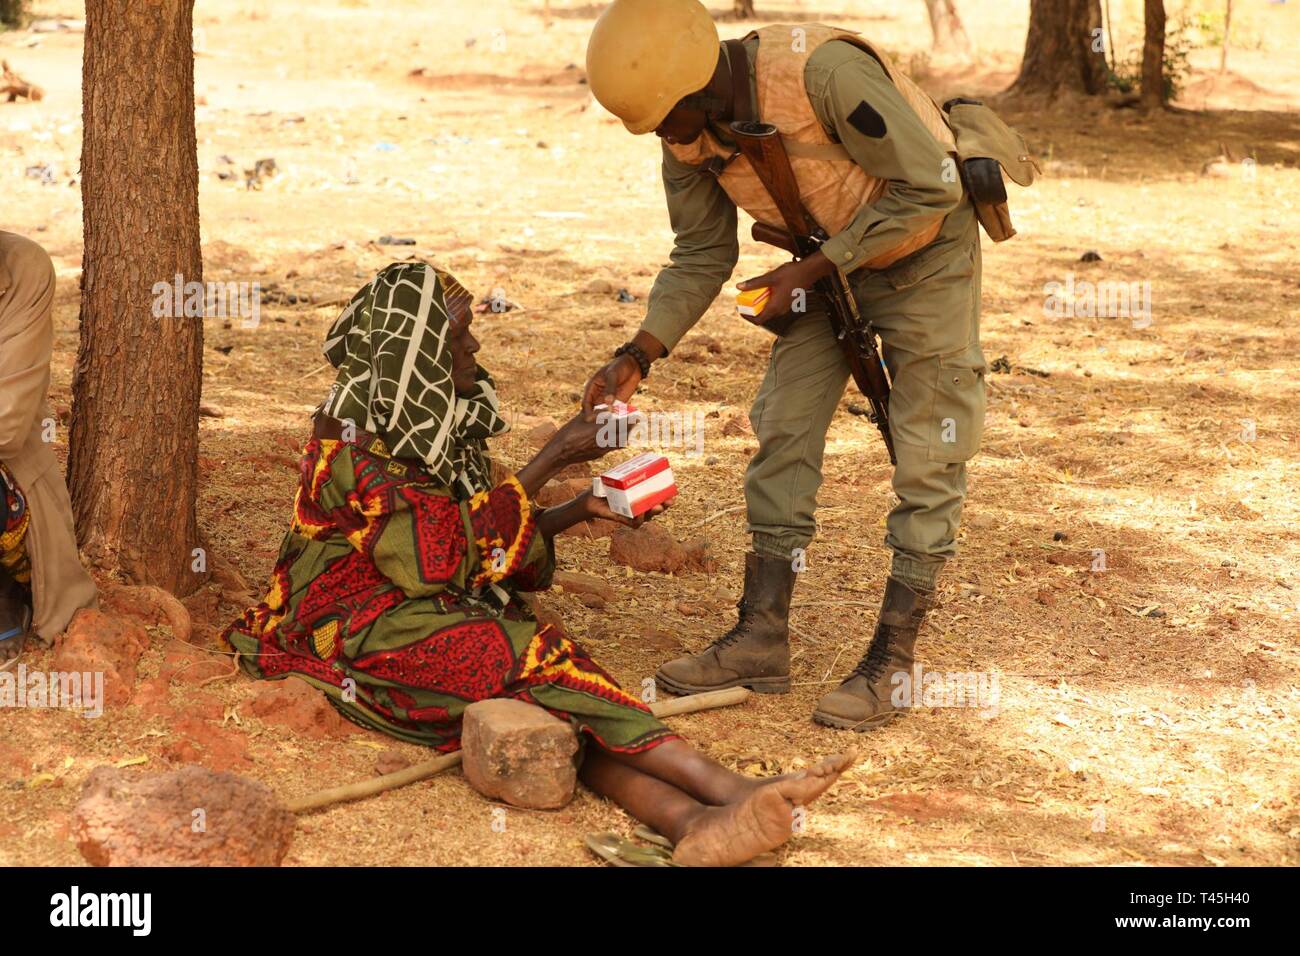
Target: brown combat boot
[[755, 653], [863, 701]]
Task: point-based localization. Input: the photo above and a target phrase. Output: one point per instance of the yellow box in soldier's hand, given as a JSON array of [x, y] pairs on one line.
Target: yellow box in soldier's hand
[[751, 302]]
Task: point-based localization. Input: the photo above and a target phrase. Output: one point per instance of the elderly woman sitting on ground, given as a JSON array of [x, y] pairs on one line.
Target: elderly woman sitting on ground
[[397, 589]]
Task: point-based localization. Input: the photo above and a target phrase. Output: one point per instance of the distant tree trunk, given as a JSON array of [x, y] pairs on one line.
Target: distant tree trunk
[[1153, 55], [948, 33], [133, 459], [1227, 30], [15, 13], [1064, 49], [1110, 37], [743, 9]]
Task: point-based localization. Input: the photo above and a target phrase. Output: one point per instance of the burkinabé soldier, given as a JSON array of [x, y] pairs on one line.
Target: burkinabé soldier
[[875, 162]]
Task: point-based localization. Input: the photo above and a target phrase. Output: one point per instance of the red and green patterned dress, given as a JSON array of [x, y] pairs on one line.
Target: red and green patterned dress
[[14, 521], [402, 604]]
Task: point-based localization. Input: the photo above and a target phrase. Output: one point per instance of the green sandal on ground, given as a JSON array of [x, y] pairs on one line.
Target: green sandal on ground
[[617, 851], [643, 832]]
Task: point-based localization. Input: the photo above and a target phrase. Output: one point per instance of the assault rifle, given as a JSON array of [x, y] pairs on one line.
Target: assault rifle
[[761, 144]]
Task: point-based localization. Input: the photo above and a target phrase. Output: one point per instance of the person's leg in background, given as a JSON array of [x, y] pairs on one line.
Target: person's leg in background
[[57, 584], [805, 380]]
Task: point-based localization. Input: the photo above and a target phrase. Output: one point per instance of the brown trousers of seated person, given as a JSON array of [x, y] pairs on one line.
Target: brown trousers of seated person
[[59, 584]]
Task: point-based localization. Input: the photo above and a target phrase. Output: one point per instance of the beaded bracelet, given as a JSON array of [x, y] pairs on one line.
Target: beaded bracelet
[[637, 353]]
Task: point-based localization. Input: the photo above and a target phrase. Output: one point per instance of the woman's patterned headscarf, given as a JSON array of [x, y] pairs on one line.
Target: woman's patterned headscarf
[[394, 375]]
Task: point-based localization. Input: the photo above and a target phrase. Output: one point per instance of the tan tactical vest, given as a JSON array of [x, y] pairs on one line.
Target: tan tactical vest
[[834, 188]]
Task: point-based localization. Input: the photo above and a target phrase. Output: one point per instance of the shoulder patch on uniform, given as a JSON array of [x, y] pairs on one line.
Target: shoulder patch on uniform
[[867, 121]]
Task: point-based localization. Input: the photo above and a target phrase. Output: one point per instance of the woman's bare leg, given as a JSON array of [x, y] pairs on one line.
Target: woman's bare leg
[[662, 806], [678, 763], [711, 836]]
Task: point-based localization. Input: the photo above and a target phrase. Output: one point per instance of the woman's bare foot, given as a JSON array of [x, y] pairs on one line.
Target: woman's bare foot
[[732, 834], [746, 786]]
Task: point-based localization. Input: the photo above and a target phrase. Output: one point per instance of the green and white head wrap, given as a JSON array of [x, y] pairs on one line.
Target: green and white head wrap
[[394, 375]]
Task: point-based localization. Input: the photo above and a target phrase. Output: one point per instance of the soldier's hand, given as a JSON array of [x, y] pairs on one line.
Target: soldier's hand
[[790, 285], [616, 381]]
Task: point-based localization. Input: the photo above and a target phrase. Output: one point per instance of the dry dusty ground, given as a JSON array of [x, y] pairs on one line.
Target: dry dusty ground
[[1149, 712]]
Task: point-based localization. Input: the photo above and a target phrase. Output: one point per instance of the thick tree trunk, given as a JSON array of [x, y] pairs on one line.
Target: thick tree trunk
[[948, 33], [1064, 50], [133, 460], [1153, 55], [743, 9]]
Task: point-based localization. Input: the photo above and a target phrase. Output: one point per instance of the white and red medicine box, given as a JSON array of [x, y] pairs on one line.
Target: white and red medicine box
[[637, 485], [618, 410], [617, 422]]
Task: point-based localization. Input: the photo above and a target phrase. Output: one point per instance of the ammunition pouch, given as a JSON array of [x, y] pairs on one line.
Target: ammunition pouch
[[986, 147]]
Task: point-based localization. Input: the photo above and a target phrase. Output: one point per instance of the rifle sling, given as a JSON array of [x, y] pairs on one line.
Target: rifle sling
[[742, 106], [741, 102]]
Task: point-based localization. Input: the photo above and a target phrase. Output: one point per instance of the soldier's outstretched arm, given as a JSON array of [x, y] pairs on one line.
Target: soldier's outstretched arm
[[705, 250]]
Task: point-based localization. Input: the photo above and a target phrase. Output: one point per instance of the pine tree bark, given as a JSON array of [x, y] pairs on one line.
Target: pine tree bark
[[1153, 55], [133, 458], [1064, 50]]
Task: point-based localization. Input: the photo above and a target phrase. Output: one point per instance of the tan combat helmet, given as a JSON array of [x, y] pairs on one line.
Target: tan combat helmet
[[646, 55]]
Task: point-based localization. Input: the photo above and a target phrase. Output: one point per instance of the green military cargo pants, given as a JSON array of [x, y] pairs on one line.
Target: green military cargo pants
[[926, 310]]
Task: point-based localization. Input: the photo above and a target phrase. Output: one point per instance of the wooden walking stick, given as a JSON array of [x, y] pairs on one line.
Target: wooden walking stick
[[422, 771]]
